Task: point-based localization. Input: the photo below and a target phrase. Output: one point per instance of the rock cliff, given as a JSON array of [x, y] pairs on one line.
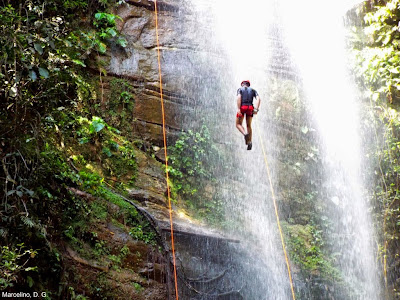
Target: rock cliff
[[188, 66]]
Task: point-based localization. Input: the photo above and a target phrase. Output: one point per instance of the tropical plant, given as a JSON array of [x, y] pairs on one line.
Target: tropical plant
[[376, 47], [45, 91], [12, 262]]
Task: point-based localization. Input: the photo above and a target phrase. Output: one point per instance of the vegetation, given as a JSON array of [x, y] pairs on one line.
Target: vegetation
[[376, 48], [193, 174], [120, 103], [13, 261], [306, 246], [60, 158]]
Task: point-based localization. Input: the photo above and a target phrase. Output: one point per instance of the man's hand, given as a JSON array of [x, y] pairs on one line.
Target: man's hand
[[239, 113]]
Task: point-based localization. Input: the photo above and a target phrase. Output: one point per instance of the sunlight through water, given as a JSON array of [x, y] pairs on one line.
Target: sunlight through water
[[313, 34]]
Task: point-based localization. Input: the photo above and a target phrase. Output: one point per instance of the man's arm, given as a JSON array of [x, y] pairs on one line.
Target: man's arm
[[239, 103], [257, 103]]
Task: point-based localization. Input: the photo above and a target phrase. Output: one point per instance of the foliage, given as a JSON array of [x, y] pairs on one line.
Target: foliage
[[190, 152], [79, 230], [384, 154], [12, 262], [377, 67], [116, 155], [139, 227], [188, 160], [106, 30], [192, 165], [74, 295], [376, 52], [41, 62], [305, 245], [120, 104], [47, 101]]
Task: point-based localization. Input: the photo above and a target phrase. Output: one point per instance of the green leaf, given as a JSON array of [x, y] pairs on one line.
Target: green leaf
[[30, 281], [99, 16], [38, 48], [52, 45], [111, 31], [29, 192], [103, 35], [122, 42], [9, 193], [44, 73], [79, 62], [107, 151], [96, 126], [32, 75], [111, 18], [83, 140], [102, 47]]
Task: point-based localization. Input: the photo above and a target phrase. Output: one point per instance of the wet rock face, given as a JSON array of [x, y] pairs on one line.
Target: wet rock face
[[180, 64], [178, 46]]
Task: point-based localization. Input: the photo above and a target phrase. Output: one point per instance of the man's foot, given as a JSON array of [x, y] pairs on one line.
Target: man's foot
[[249, 145], [246, 138]]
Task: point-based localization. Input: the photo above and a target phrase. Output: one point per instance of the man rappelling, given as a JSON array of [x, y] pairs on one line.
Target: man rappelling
[[245, 97]]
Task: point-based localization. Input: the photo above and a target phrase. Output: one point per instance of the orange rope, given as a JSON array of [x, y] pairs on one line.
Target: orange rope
[[165, 152], [276, 213]]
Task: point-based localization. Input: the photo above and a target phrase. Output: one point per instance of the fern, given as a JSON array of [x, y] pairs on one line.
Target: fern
[[28, 222]]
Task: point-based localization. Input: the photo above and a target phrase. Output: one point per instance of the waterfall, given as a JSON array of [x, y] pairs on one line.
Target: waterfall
[[317, 43], [295, 52]]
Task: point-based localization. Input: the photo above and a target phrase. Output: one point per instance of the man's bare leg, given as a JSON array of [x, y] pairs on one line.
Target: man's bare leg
[[249, 132], [248, 123], [239, 125]]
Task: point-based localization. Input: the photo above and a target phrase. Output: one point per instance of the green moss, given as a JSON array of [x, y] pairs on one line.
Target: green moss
[[117, 200], [305, 249], [121, 161], [99, 210], [120, 104]]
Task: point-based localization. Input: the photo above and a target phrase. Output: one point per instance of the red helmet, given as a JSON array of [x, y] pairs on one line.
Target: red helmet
[[245, 81]]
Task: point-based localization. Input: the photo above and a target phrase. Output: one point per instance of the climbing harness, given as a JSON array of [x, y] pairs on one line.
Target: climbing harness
[[276, 210], [165, 152]]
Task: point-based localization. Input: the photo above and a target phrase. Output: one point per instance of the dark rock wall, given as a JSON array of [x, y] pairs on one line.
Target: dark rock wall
[[182, 65]]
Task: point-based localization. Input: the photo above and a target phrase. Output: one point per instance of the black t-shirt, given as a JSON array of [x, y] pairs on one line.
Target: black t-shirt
[[248, 94]]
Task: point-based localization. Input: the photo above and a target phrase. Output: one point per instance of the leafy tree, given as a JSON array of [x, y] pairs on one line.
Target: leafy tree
[[376, 49], [45, 46]]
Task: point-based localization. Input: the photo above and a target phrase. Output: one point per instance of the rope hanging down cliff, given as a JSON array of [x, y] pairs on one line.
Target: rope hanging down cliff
[[276, 211], [165, 152]]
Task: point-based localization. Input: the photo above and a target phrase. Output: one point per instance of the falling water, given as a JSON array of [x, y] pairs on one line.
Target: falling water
[[301, 44], [317, 43]]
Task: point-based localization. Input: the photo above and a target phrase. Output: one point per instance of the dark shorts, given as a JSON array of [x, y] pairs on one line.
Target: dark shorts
[[246, 109]]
